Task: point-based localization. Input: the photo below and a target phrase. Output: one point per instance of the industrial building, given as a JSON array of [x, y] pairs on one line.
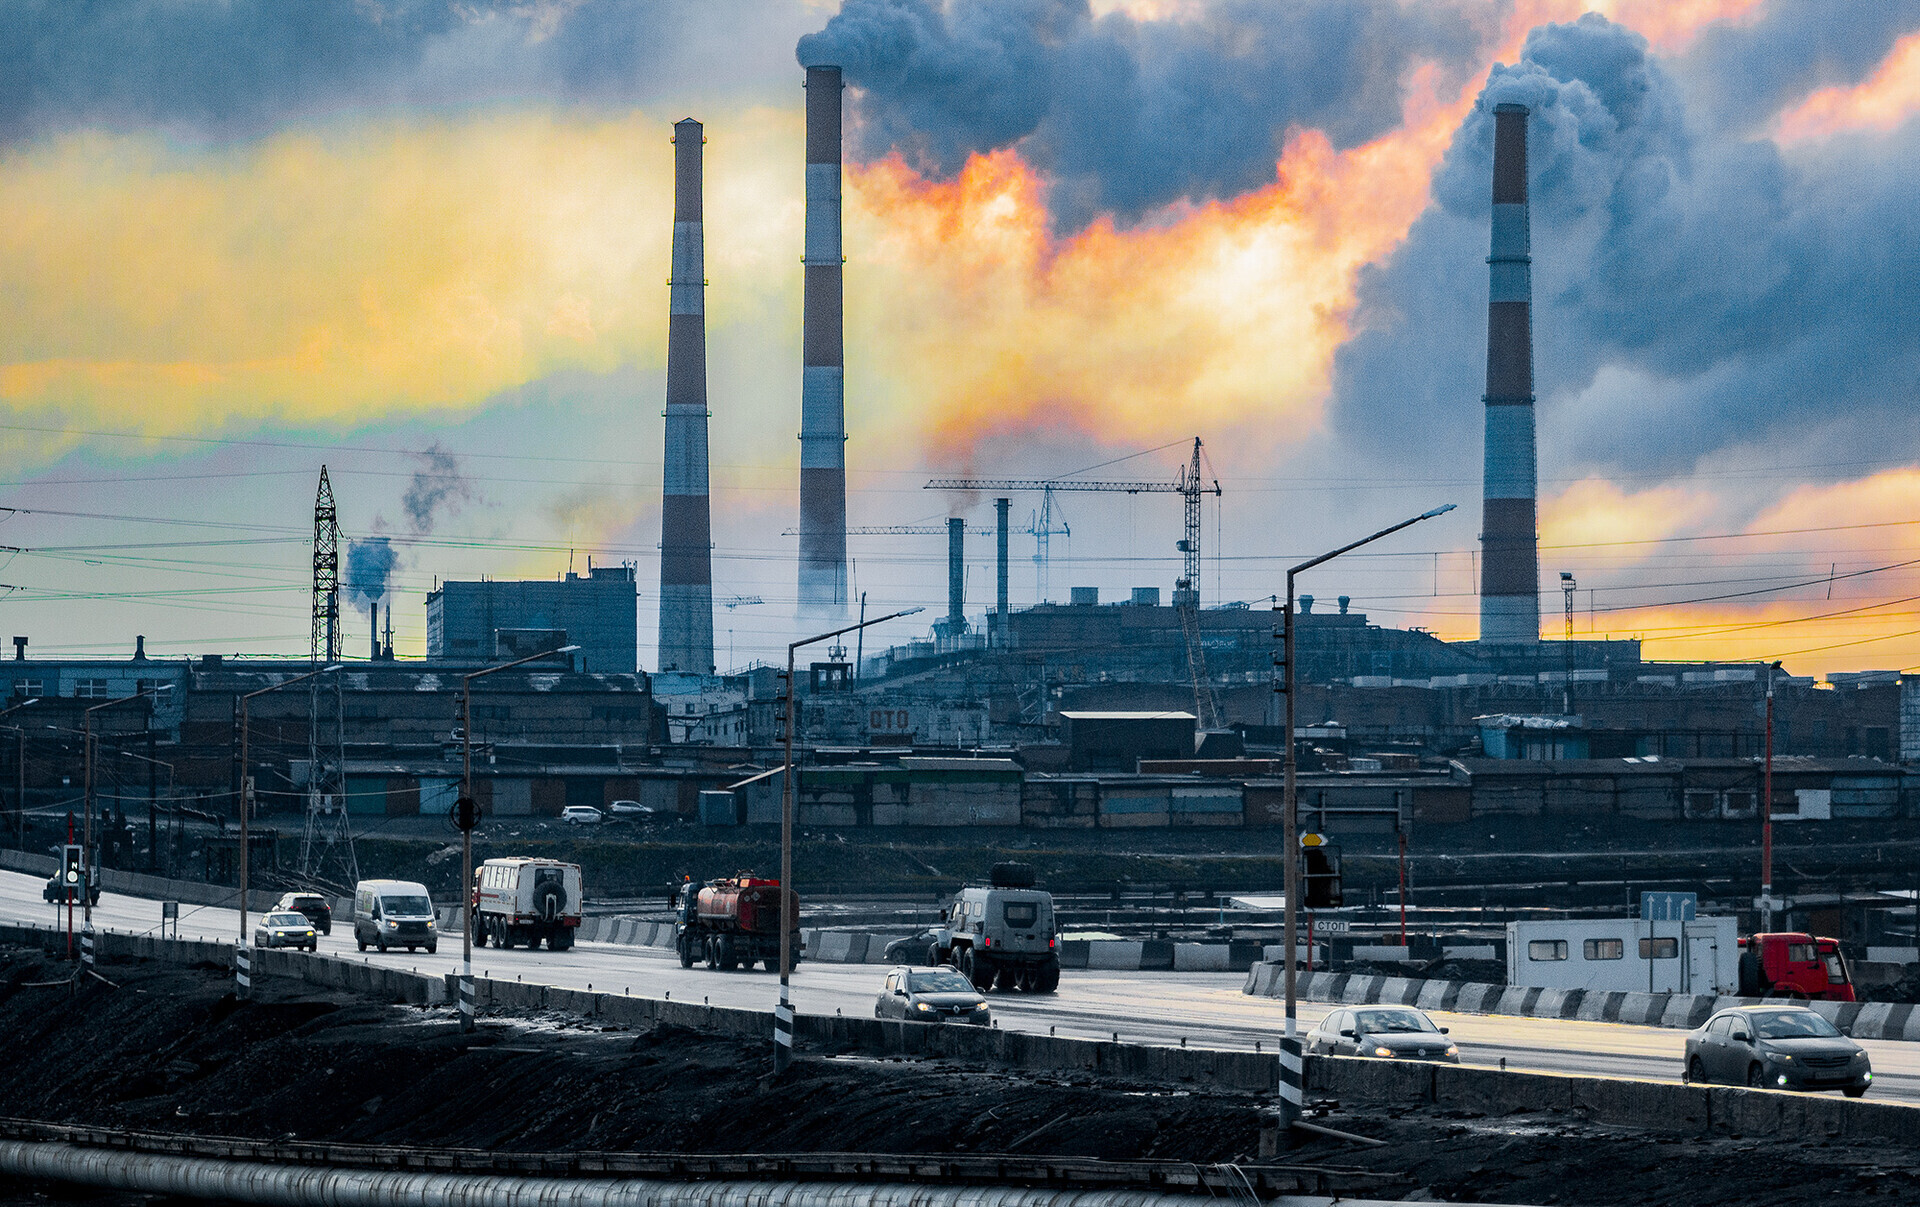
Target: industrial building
[[597, 611]]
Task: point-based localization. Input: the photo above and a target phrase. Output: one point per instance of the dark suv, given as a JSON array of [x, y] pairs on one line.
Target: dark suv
[[313, 906]]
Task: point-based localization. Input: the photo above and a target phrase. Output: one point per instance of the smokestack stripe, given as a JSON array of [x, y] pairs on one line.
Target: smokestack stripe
[[686, 524], [1510, 557], [823, 466]]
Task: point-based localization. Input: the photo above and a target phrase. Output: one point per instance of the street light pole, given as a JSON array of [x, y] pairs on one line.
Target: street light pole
[[467, 816], [1766, 818], [1292, 1066], [783, 1011], [242, 971]]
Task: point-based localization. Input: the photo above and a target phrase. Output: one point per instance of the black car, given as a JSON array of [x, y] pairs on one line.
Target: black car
[[1776, 1048], [931, 995], [1388, 1032], [910, 950], [312, 906]]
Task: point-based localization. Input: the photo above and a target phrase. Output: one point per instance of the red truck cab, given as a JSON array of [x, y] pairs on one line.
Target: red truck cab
[[1794, 965]]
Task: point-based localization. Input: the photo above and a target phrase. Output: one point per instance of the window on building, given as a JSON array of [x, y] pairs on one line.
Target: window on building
[[1604, 949], [1702, 803], [29, 687], [90, 689], [1547, 949], [1739, 805], [1659, 949], [162, 693]]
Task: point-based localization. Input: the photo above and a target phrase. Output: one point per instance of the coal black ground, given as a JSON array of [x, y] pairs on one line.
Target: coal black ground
[[169, 1049]]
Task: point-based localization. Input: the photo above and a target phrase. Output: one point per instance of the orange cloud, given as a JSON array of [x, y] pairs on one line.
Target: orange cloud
[[1822, 535], [1595, 511], [1884, 100], [1212, 316]]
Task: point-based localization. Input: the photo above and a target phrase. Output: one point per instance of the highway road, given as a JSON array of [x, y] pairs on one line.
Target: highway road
[[1206, 1009]]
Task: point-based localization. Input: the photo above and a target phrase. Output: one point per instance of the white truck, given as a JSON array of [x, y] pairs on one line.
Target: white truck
[[522, 900], [1627, 954]]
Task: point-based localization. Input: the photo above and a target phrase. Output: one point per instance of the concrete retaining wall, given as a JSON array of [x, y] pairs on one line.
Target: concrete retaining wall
[[1682, 1011], [139, 884]]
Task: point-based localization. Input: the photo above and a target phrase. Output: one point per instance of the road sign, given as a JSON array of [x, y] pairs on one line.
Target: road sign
[[1669, 907], [465, 813], [1331, 926], [1313, 840]]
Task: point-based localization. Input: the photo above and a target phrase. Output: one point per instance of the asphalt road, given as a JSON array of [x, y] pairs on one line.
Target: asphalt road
[[1207, 1009]]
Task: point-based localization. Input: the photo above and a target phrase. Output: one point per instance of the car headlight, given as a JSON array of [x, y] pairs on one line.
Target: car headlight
[[1782, 1057], [1453, 1050], [923, 1006], [1382, 1050], [980, 1006], [389, 923], [429, 923]]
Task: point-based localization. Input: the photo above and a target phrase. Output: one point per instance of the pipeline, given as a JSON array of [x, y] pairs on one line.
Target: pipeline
[[310, 1186]]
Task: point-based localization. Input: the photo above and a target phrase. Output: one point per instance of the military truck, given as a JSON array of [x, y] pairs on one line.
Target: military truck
[[1001, 934]]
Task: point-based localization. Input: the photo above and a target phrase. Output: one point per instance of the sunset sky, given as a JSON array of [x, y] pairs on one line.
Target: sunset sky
[[426, 244]]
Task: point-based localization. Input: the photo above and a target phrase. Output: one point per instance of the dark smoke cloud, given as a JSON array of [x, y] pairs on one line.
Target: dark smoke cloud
[[370, 565], [437, 486], [240, 68], [1122, 115], [1694, 291]]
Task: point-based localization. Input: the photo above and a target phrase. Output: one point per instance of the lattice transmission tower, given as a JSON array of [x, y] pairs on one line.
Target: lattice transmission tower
[[326, 847]]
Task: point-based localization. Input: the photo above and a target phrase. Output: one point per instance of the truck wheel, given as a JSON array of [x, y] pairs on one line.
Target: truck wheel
[[432, 947], [361, 942], [1009, 979], [934, 959], [382, 944], [713, 960], [685, 947], [1048, 978], [723, 949], [982, 974], [773, 963], [506, 937], [560, 940]]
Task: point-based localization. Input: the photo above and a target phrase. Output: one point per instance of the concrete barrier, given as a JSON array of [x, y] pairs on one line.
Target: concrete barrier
[[1648, 1105], [1118, 955], [1679, 1011]]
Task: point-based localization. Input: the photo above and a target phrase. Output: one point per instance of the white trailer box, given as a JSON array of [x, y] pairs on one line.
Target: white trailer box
[[1629, 954]]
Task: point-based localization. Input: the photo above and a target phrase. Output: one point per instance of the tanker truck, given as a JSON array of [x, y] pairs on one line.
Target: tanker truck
[[732, 922]]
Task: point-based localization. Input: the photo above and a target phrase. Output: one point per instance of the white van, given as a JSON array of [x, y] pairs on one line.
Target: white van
[[393, 913]]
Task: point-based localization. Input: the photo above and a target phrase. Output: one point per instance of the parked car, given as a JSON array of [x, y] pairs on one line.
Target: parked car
[[312, 906], [1779, 1048], [285, 928], [633, 810], [931, 995], [1389, 1032], [582, 815]]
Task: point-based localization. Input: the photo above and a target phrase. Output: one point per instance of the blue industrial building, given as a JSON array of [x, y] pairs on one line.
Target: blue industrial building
[[597, 612]]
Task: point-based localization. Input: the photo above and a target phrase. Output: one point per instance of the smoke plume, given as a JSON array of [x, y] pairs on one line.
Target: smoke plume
[[437, 486], [370, 565], [1122, 115]]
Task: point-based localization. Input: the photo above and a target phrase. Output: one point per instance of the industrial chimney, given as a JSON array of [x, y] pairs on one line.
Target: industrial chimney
[[686, 526], [1510, 555], [956, 576], [823, 454], [1000, 529]]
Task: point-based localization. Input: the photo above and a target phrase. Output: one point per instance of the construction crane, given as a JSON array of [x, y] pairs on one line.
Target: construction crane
[[741, 601], [902, 530], [1190, 485]]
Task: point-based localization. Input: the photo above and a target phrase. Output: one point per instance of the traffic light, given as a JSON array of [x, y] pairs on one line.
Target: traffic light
[[71, 867], [1320, 888]]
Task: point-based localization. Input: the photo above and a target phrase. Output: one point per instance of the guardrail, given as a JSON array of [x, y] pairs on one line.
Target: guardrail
[[1681, 1011]]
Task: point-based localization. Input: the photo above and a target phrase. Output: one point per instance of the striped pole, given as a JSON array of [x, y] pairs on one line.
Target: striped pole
[[242, 972], [782, 1029], [1510, 554], [86, 947], [466, 1000], [1293, 1078]]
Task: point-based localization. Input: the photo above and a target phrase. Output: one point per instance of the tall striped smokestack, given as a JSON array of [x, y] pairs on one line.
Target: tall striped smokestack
[[1510, 555], [686, 526], [823, 454], [956, 576]]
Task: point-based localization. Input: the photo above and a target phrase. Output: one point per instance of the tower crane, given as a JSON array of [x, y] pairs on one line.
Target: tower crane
[[1190, 485]]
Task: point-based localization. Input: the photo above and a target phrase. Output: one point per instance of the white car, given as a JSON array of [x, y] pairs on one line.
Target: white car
[[633, 810], [581, 815]]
